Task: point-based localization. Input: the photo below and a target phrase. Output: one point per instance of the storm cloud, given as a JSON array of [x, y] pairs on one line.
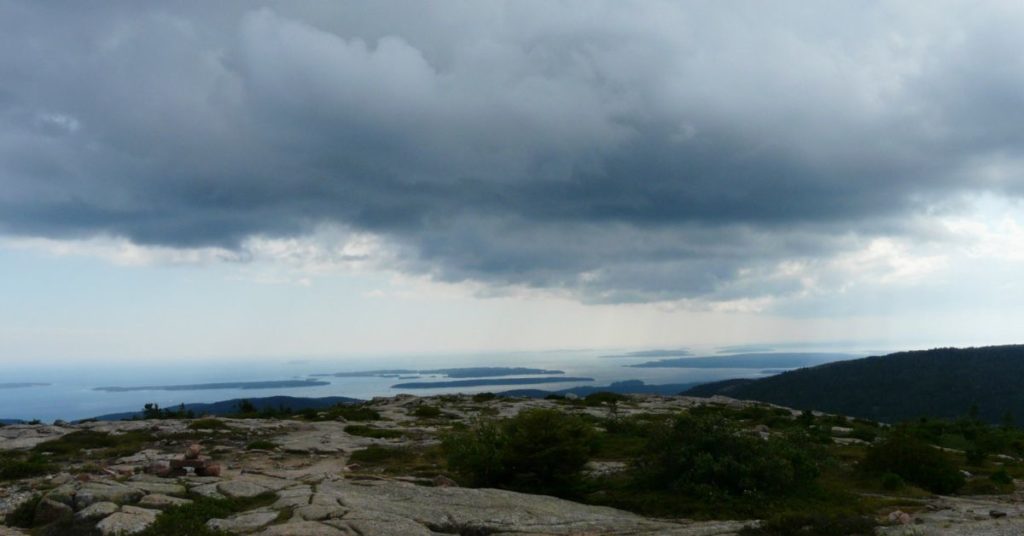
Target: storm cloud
[[618, 151]]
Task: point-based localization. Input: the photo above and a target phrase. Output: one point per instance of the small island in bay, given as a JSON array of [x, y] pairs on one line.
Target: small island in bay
[[20, 385], [460, 372], [279, 384], [486, 382]]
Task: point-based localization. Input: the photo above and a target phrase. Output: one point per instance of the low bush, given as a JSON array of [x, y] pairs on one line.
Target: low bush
[[99, 444], [13, 468], [363, 430], [190, 519], [208, 424], [484, 397], [427, 412], [24, 514], [261, 444], [915, 461], [604, 397], [377, 455], [537, 451], [353, 412], [813, 525], [709, 458]]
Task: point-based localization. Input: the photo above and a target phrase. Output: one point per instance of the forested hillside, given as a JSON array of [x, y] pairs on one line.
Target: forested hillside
[[944, 382]]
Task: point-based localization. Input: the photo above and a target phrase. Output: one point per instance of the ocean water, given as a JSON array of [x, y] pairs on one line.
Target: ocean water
[[70, 391]]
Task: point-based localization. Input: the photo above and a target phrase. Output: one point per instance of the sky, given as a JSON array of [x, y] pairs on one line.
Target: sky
[[325, 178]]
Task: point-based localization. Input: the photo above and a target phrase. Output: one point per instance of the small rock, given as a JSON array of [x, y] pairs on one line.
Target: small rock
[[161, 502], [245, 522], [129, 520], [302, 528], [192, 452], [899, 517], [207, 490], [211, 469], [96, 511], [240, 489], [159, 468], [114, 492], [62, 478], [442, 481]]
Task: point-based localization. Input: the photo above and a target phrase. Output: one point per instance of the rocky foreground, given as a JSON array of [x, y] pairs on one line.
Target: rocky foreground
[[313, 489]]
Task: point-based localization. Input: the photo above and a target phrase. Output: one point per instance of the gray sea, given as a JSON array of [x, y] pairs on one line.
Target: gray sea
[[68, 391]]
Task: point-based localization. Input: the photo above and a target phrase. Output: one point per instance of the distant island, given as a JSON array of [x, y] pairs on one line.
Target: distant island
[[233, 406], [19, 385], [679, 352], [761, 361], [281, 384], [485, 382], [463, 372]]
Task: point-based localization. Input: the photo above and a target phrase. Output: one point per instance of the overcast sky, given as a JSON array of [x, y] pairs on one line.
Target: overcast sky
[[324, 178]]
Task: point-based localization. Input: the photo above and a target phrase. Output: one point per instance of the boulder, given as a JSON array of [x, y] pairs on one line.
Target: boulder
[[246, 522], [240, 489], [304, 528], [159, 501], [130, 520], [115, 492], [96, 511]]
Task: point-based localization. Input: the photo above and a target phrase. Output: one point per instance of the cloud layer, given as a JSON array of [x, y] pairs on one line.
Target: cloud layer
[[616, 151]]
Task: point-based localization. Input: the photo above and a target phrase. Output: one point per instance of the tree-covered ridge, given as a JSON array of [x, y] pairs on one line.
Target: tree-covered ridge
[[943, 382]]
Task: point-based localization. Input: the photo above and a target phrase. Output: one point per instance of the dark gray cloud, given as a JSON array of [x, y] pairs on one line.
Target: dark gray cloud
[[619, 151]]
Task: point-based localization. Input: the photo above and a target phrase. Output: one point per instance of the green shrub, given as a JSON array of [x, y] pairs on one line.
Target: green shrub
[[813, 525], [375, 454], [604, 397], [537, 451], [915, 461], [427, 412], [261, 444], [892, 482], [353, 412], [15, 467], [484, 397], [24, 514], [105, 445], [208, 424], [1001, 477], [363, 430], [708, 457], [190, 519]]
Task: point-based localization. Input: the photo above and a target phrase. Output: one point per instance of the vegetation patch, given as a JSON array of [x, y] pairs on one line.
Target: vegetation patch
[[208, 424], [363, 430], [537, 451], [427, 412], [353, 412], [914, 461], [24, 514], [190, 519], [261, 444], [813, 525], [407, 461], [13, 467], [74, 446]]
